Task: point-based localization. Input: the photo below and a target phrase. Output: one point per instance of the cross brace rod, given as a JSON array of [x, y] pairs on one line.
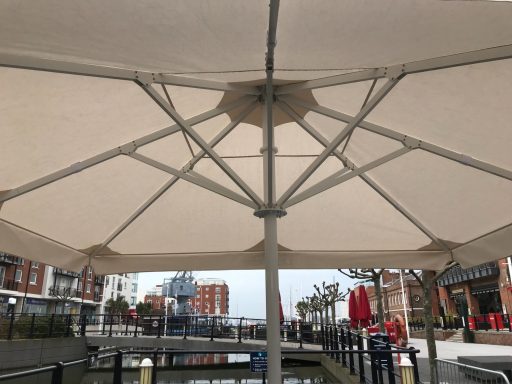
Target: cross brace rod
[[196, 179], [172, 181], [123, 149], [335, 179], [94, 70], [389, 133], [450, 61], [201, 142], [372, 103], [376, 187]]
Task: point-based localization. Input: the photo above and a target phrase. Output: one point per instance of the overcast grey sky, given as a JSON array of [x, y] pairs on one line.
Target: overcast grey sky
[[247, 288]]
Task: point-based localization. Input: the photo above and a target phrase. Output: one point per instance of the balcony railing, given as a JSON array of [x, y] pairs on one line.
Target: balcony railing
[[64, 272], [8, 259], [97, 297], [60, 291], [99, 280], [10, 285]]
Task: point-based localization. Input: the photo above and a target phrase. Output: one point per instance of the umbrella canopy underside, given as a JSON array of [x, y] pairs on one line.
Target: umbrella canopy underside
[[131, 134]]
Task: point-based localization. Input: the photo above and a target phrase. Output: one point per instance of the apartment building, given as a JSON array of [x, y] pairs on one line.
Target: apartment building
[[39, 288], [212, 297]]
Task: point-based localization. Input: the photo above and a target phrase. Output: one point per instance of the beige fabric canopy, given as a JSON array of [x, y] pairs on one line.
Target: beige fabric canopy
[[414, 97]]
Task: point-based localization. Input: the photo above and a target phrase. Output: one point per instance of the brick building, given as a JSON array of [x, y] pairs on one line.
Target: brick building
[[393, 300], [39, 288], [212, 297], [482, 289], [156, 299]]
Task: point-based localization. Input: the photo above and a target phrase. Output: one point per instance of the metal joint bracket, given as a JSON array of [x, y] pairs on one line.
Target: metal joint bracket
[[465, 159], [144, 78], [395, 72], [264, 149], [278, 212], [411, 142], [350, 164], [128, 148], [188, 167]]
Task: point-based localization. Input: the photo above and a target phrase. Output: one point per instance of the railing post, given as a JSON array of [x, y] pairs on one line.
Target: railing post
[[331, 341], [343, 346], [50, 328], [11, 326], [336, 343], [240, 330], [159, 326], [136, 326], [391, 368], [31, 333], [351, 355], [118, 368], [360, 359], [83, 327], [300, 334], [110, 326], [68, 324], [414, 361], [103, 325], [58, 373], [211, 331], [185, 326], [155, 364], [127, 318]]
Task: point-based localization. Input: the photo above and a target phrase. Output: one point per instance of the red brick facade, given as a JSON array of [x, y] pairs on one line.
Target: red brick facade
[[211, 299]]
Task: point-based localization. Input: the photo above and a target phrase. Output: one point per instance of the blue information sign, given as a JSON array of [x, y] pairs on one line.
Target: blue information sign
[[258, 361]]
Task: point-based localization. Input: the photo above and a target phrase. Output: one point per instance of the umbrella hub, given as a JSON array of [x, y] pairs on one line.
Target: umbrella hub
[[278, 212]]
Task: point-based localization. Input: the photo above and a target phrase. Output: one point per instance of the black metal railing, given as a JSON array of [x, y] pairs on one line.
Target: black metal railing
[[65, 272], [63, 291], [117, 363]]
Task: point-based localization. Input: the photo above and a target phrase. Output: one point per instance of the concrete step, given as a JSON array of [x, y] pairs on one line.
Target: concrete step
[[457, 337]]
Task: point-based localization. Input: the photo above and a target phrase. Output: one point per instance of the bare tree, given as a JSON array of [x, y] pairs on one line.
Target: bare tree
[[374, 276], [330, 295], [427, 281], [317, 306]]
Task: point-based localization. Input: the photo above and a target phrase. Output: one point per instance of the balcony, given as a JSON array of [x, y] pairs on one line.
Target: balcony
[[99, 280], [119, 287], [64, 272], [458, 275], [9, 285], [97, 297], [64, 292], [8, 259]]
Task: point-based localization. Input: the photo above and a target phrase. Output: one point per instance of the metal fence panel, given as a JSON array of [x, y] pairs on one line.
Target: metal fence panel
[[450, 372]]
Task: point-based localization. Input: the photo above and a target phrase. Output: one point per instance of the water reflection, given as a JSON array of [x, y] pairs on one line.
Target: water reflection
[[199, 369]]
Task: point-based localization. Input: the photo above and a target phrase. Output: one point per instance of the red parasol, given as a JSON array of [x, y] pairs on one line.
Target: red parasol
[[364, 313], [352, 309]]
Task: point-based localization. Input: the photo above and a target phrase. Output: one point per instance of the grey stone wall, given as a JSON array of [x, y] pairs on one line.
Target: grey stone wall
[[39, 352]]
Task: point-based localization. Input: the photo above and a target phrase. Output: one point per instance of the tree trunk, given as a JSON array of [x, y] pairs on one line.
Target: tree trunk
[[326, 314], [380, 308], [333, 312], [428, 282]]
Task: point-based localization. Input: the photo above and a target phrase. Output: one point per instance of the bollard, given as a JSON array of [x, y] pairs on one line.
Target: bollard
[[364, 333], [118, 368], [406, 371], [146, 371]]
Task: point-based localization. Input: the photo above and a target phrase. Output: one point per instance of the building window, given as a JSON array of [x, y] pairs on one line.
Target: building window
[[107, 279], [198, 296], [207, 288], [113, 280], [80, 286], [33, 278], [2, 276], [88, 290], [17, 276], [89, 273], [206, 296], [217, 290], [111, 295], [35, 265]]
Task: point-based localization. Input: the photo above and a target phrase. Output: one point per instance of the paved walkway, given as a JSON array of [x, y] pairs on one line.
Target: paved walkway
[[449, 351]]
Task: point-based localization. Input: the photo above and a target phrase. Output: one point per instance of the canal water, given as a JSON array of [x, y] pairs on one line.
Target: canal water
[[187, 369]]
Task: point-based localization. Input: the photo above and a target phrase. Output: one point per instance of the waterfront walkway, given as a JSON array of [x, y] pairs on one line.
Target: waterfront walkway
[[449, 351]]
